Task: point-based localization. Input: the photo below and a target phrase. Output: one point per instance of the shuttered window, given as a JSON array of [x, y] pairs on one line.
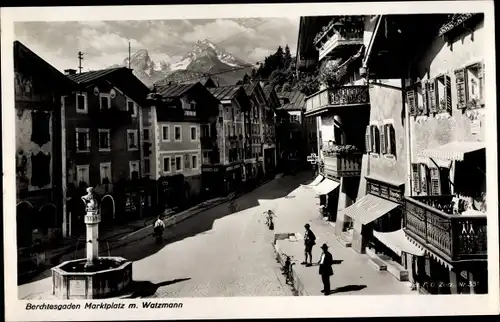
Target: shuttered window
[[383, 139], [375, 133], [411, 101], [431, 91], [390, 135], [442, 94], [423, 179], [415, 173], [425, 98], [435, 182], [368, 139], [461, 86]]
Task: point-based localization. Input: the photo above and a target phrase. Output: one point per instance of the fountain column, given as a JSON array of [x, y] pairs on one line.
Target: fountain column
[[92, 220]]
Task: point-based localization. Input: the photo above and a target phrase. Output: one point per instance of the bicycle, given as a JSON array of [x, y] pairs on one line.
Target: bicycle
[[287, 269]]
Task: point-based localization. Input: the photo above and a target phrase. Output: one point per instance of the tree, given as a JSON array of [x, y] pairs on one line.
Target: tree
[[287, 57]]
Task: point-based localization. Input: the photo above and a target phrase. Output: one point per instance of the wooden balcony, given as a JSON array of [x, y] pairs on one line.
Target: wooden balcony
[[341, 165], [335, 41], [455, 237], [339, 97]]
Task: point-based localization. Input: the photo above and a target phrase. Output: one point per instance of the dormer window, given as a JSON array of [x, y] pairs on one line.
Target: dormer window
[[105, 101], [192, 105]]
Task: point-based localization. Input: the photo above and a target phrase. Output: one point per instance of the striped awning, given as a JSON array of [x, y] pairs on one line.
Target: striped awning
[[429, 162], [454, 151], [369, 208], [315, 182], [438, 258], [326, 186], [398, 242]]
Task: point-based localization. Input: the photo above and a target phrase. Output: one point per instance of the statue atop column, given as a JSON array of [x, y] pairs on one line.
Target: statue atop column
[[90, 201]]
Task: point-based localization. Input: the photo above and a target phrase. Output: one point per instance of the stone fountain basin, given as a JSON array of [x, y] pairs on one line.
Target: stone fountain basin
[[109, 277]]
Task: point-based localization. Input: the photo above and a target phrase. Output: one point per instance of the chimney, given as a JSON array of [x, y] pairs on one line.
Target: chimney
[[70, 72]]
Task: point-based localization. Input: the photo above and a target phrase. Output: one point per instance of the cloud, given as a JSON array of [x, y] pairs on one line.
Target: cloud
[[105, 43]]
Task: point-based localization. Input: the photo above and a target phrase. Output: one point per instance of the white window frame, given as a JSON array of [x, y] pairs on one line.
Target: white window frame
[[134, 114], [165, 126], [136, 139], [169, 164], [108, 131], [180, 133], [85, 167], [82, 130], [137, 163], [182, 165], [192, 105], [101, 168], [146, 161], [191, 133], [194, 165], [101, 95], [85, 108]]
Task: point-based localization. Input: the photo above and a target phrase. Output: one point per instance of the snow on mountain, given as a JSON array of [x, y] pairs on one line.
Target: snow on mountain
[[203, 58]]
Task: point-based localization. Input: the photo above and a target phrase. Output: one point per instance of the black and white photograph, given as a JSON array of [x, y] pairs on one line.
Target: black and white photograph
[[164, 157]]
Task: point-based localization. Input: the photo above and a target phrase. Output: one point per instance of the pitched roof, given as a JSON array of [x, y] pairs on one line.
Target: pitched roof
[[175, 90], [225, 92], [27, 61], [249, 88], [89, 77], [297, 100]]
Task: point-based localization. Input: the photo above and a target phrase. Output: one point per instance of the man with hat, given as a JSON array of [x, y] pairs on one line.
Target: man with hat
[[309, 242], [325, 268]]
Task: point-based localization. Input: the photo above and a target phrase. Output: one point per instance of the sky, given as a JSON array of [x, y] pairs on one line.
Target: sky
[[105, 43]]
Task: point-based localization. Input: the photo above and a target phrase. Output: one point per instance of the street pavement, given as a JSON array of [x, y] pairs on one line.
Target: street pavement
[[215, 253], [353, 272]]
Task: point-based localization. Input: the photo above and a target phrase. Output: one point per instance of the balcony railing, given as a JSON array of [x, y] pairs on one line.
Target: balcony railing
[[334, 41], [343, 164], [455, 237], [337, 97]]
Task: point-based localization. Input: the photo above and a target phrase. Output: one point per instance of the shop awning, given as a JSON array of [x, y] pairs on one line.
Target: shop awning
[[436, 257], [326, 186], [429, 162], [315, 182], [454, 151], [369, 208], [398, 242]]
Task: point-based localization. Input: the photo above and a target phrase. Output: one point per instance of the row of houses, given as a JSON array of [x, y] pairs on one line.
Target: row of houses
[[143, 150], [401, 140]]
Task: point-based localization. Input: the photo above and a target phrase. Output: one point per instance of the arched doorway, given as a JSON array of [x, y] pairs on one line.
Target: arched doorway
[[24, 217], [107, 209]]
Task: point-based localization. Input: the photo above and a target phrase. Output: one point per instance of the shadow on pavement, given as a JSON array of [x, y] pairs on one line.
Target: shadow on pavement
[[348, 288], [146, 288], [143, 243]]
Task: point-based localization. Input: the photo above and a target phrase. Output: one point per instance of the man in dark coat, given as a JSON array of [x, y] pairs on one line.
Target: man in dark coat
[[309, 242], [325, 268]]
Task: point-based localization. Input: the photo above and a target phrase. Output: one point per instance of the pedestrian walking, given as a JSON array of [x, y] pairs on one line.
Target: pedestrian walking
[[325, 268], [309, 242]]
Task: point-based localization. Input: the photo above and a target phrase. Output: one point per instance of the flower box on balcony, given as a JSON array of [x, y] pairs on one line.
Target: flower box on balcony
[[455, 237], [343, 161]]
